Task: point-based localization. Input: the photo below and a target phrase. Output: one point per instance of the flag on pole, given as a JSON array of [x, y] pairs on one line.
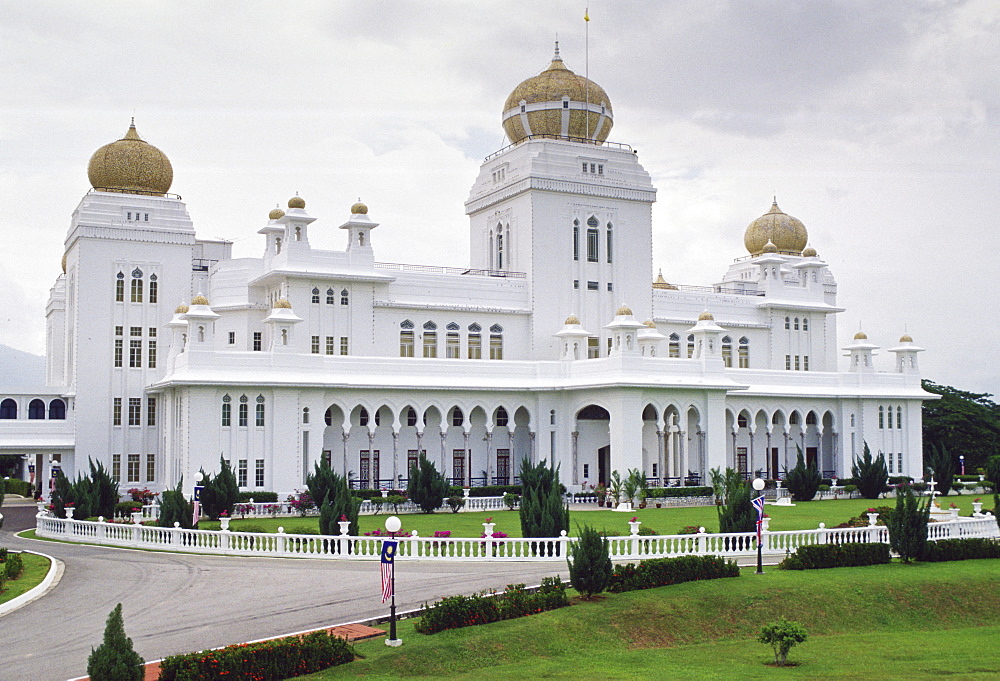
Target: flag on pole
[[388, 564], [758, 504]]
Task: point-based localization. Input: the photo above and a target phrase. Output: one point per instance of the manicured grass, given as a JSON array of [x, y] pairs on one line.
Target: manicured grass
[[35, 569], [886, 622]]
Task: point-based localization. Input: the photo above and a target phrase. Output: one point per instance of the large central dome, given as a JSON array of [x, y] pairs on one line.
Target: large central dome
[[558, 103], [131, 166], [785, 232]]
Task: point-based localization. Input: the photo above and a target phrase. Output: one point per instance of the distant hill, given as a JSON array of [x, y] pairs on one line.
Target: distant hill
[[18, 368]]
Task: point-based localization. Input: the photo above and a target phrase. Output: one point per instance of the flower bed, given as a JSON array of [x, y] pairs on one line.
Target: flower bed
[[657, 572], [456, 612]]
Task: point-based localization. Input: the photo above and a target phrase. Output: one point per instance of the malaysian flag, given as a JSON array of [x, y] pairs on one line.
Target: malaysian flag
[[758, 504], [388, 561]]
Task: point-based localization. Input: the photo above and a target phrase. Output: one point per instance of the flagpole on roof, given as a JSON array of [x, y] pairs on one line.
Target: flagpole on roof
[[586, 69]]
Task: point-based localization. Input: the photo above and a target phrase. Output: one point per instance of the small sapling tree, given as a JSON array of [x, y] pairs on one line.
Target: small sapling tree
[[941, 465], [870, 474], [589, 563], [993, 475], [781, 636], [426, 487], [803, 481], [115, 659], [907, 525]]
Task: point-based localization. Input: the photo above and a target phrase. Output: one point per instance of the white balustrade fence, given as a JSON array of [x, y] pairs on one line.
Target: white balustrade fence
[[633, 547]]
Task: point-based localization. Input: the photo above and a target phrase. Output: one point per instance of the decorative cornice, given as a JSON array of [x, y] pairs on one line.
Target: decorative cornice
[[563, 187], [398, 305]]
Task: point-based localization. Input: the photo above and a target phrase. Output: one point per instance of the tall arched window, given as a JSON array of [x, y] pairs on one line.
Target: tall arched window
[[576, 239], [610, 245], [675, 346], [796, 324], [8, 409], [899, 417], [259, 414], [153, 288], [744, 359], [501, 417], [430, 339], [363, 417], [593, 240], [805, 323], [727, 351], [227, 411], [496, 342], [331, 297], [315, 295], [36, 409], [881, 417], [788, 322], [690, 340], [57, 409], [343, 297], [457, 418], [120, 288], [305, 414], [244, 411], [406, 338], [136, 285], [499, 247], [411, 416]]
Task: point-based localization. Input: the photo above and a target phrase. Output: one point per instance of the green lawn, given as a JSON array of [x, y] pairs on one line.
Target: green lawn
[[883, 622], [35, 569], [803, 516]]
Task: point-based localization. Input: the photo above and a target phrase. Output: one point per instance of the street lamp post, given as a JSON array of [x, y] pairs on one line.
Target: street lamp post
[[393, 525], [758, 485]]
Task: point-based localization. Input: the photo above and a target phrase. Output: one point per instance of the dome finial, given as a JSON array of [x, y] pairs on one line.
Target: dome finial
[[556, 57]]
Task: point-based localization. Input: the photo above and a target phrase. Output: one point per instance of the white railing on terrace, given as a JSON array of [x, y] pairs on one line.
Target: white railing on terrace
[[633, 547]]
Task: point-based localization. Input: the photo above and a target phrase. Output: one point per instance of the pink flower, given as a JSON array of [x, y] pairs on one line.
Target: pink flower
[[635, 519], [489, 520], [224, 514], [872, 510], [343, 517]]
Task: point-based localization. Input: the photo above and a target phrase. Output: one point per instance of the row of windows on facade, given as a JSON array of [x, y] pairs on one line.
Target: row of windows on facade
[[133, 469], [135, 347], [134, 411], [36, 409], [330, 346], [885, 417], [742, 352], [592, 285], [796, 362], [793, 324], [593, 240], [370, 468], [452, 340], [456, 417], [136, 287], [331, 297], [243, 411], [793, 419], [136, 216]]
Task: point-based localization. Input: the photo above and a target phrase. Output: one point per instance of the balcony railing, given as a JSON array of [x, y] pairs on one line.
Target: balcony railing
[[464, 271]]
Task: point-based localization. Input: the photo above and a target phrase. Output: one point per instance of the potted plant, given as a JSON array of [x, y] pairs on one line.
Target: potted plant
[[601, 492]]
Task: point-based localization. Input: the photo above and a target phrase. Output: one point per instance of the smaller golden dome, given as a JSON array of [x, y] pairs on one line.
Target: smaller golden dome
[[571, 320], [769, 247], [860, 335], [64, 263], [181, 309], [905, 338], [662, 283], [276, 214], [296, 202], [809, 253], [359, 209], [650, 323], [282, 304], [706, 316], [624, 311], [199, 300]]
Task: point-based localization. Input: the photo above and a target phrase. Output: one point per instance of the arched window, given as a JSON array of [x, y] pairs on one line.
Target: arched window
[[315, 294], [244, 411], [328, 416], [744, 359], [36, 409], [457, 418], [227, 411], [674, 346], [727, 351], [788, 322], [153, 288], [890, 417], [120, 288], [259, 415], [405, 343], [793, 418], [136, 285], [496, 342], [331, 297], [576, 239], [899, 418], [499, 247], [430, 339], [811, 419], [57, 410], [805, 323], [305, 414], [881, 417], [593, 239], [501, 417], [690, 340], [363, 417], [8, 409], [411, 416], [741, 420], [343, 297], [796, 324], [610, 245]]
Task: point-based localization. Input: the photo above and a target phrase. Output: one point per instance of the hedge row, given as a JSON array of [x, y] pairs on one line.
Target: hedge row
[[663, 492], [650, 574], [819, 556], [20, 487], [456, 612], [258, 497], [960, 549], [265, 661]]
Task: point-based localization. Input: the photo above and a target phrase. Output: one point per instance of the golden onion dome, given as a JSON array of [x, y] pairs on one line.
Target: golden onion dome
[[861, 335], [706, 316], [554, 103], [572, 320], [359, 209], [787, 233], [199, 300], [650, 323], [662, 283], [624, 311], [64, 263], [769, 247], [181, 309], [281, 303], [296, 202], [905, 338], [809, 253], [276, 214], [130, 166]]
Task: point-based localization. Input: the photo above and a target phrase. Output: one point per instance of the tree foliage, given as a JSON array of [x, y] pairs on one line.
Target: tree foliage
[[589, 562], [870, 474], [543, 513], [338, 503], [103, 490], [940, 464], [115, 659], [907, 525], [221, 492], [736, 514], [993, 475], [781, 636], [174, 508], [426, 487], [803, 481], [3, 490], [320, 481], [967, 423]]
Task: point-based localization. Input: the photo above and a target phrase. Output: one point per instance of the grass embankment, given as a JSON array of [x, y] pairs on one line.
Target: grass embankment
[[802, 516], [886, 622], [35, 569]]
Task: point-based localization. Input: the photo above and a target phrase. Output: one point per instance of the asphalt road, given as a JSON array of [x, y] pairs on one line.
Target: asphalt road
[[175, 603]]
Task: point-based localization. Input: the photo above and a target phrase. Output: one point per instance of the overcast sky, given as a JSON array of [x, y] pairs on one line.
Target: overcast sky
[[875, 123]]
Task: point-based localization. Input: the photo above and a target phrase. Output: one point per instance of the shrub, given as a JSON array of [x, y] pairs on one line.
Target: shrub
[[103, 490], [221, 492], [656, 572], [395, 500], [781, 636], [426, 486], [850, 489], [455, 612], [992, 473], [13, 566], [321, 480], [942, 467], [456, 502], [24, 488], [258, 497], [665, 492], [115, 659], [589, 563], [174, 508], [736, 513], [870, 474], [263, 661], [960, 549], [802, 481], [492, 490], [337, 501], [819, 556], [123, 509], [542, 511], [908, 525], [510, 500], [3, 490]]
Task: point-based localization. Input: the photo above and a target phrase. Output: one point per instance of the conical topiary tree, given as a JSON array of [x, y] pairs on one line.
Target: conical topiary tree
[[589, 562], [543, 513], [870, 474], [115, 659], [803, 481], [426, 487], [907, 525], [940, 464], [338, 503]]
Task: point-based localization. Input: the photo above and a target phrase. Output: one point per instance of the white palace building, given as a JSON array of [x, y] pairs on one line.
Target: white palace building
[[555, 343]]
